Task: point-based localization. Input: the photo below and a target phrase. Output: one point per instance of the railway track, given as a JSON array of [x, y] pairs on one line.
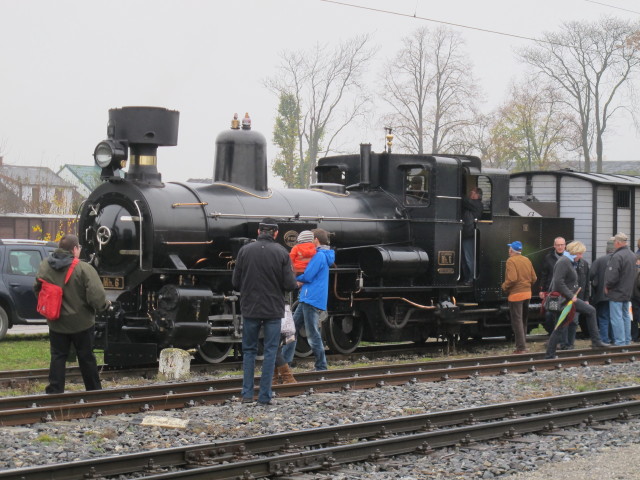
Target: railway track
[[14, 378], [292, 453], [73, 405]]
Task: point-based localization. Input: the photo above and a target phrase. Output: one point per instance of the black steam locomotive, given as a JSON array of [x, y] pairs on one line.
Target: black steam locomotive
[[165, 251]]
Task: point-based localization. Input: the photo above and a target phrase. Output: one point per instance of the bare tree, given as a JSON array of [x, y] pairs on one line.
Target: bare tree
[[532, 127], [590, 62], [430, 89], [328, 89], [476, 139]]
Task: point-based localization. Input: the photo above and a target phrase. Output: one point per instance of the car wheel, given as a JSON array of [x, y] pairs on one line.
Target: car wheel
[[4, 323]]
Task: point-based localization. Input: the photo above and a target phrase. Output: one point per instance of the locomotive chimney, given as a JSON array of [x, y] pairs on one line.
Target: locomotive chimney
[[365, 165], [142, 130], [241, 156]]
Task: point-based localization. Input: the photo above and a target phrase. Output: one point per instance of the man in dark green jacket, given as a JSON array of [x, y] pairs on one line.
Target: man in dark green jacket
[[82, 297]]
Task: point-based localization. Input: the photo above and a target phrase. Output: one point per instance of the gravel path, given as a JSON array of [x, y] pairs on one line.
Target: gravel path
[[543, 456]]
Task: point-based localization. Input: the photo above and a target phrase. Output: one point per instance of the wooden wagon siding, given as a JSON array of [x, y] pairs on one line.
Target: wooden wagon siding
[[589, 198]]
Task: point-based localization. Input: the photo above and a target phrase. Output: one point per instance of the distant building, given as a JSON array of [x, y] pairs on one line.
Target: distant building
[[34, 190], [84, 177]]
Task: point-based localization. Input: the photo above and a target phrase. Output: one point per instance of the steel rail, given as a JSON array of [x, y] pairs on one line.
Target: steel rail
[[12, 378], [67, 406], [163, 389], [419, 431]]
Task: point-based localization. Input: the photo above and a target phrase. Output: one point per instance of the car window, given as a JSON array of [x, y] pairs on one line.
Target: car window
[[24, 262]]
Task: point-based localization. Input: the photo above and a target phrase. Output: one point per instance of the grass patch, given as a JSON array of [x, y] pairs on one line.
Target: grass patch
[[44, 438], [24, 352]]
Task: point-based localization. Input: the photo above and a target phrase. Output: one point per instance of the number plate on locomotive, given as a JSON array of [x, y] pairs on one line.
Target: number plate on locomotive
[[113, 283]]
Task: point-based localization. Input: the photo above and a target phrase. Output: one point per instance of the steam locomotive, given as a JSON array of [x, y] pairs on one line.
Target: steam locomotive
[[165, 250]]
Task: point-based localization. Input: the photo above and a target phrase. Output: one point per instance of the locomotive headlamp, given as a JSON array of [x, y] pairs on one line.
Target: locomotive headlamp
[[109, 153]]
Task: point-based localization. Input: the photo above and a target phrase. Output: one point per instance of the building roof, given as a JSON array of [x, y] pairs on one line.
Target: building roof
[[88, 175], [9, 201], [602, 178], [35, 176]]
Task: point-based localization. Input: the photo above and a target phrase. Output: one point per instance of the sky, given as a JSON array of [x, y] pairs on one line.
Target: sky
[[65, 63]]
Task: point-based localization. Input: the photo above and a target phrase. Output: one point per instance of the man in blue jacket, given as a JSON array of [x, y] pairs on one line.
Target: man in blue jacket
[[314, 290]]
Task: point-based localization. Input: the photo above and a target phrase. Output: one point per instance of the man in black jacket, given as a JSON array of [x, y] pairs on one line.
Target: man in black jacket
[[549, 261], [262, 274], [619, 280], [471, 211]]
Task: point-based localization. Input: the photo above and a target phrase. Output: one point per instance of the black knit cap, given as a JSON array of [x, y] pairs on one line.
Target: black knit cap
[[268, 225]]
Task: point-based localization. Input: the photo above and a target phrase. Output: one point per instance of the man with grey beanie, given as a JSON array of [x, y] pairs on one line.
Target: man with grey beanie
[[619, 279]]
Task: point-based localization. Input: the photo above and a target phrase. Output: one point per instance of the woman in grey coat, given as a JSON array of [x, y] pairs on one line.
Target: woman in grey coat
[[565, 281]]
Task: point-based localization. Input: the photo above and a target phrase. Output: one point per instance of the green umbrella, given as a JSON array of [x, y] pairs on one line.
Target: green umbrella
[[565, 311]]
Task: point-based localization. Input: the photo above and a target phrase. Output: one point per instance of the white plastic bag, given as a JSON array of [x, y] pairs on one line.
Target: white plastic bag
[[287, 327]]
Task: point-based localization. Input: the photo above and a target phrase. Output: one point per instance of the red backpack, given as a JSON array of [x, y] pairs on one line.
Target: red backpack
[[50, 297]]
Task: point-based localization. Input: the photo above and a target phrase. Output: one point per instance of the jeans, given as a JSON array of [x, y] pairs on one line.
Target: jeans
[[620, 322], [307, 315], [59, 346], [604, 321], [467, 257], [250, 334]]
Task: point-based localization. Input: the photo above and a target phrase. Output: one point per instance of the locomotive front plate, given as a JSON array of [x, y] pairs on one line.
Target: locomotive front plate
[[113, 283]]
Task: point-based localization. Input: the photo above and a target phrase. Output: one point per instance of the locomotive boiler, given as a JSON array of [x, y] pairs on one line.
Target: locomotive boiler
[[165, 250]]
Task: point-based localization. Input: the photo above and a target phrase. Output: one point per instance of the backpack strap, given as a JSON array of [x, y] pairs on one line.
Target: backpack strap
[[74, 262]]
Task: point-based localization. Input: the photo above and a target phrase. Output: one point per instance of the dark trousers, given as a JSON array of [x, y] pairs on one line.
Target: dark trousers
[[59, 346], [519, 313], [467, 259], [590, 315], [635, 331]]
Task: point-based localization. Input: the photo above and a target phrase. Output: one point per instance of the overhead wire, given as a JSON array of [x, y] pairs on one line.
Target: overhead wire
[[612, 6], [459, 25], [468, 27]]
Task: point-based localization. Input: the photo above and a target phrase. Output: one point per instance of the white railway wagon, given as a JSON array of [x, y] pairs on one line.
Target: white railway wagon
[[601, 204]]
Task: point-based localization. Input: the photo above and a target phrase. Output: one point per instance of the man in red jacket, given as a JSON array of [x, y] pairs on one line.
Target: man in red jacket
[[519, 278]]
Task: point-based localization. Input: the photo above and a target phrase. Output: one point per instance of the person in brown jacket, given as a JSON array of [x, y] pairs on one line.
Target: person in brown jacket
[[519, 278]]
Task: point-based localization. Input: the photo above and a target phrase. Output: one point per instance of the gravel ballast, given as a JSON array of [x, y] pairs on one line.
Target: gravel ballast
[[607, 446]]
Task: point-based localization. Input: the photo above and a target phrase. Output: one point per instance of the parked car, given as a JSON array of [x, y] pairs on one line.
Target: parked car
[[19, 262]]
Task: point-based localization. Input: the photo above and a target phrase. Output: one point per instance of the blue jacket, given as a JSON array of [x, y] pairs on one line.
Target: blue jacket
[[316, 278]]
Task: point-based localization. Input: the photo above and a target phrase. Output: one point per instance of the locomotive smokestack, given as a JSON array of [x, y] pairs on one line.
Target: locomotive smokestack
[[365, 165], [142, 130]]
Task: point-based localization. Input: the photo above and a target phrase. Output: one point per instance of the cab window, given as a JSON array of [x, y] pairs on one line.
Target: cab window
[[332, 175], [416, 182], [484, 183]]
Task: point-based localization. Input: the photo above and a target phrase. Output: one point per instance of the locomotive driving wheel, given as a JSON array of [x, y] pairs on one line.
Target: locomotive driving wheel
[[214, 352], [343, 333]]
